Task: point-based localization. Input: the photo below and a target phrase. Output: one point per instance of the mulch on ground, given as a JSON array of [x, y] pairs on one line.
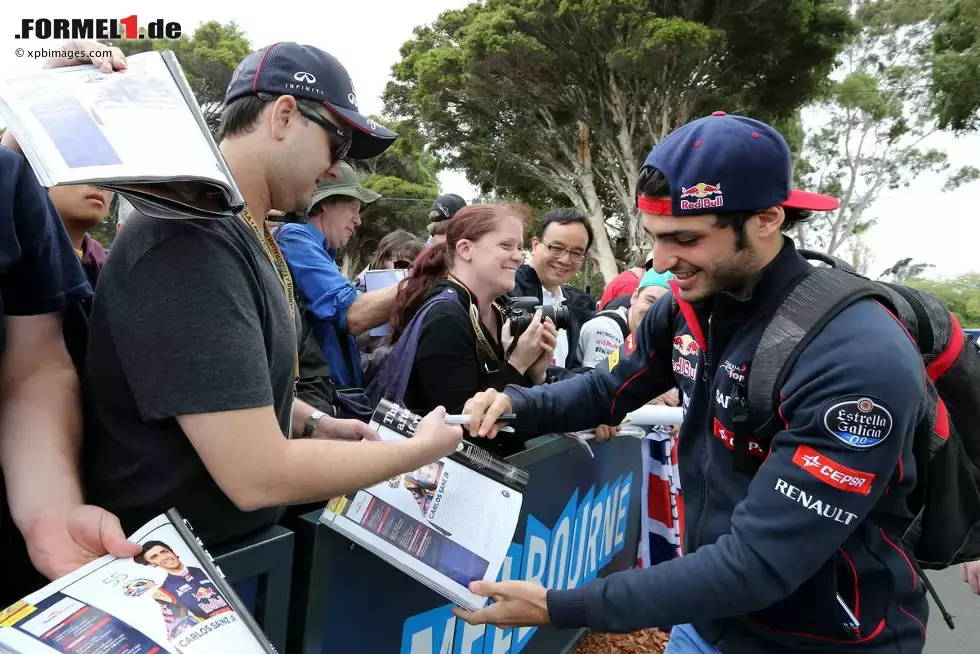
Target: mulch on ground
[[648, 641]]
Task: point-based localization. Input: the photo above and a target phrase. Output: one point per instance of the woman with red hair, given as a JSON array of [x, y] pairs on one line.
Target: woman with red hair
[[463, 347]]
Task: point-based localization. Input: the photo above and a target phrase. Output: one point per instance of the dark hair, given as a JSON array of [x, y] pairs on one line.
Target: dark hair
[[566, 216], [397, 244], [433, 263], [652, 183], [240, 117], [147, 546]]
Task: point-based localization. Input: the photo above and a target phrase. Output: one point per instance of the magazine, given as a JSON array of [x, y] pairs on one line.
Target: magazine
[[170, 598], [138, 132], [375, 280], [446, 524]]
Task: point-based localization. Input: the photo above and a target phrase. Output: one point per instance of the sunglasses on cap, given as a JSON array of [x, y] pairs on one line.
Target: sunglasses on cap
[[341, 139]]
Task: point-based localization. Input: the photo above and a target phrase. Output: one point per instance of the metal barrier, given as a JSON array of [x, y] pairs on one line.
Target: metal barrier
[[266, 559], [345, 599]]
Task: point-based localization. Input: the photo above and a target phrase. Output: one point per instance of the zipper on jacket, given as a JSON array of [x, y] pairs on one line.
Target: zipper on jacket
[[696, 535]]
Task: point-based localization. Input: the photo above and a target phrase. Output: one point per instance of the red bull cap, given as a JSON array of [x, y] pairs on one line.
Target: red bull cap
[[726, 164]]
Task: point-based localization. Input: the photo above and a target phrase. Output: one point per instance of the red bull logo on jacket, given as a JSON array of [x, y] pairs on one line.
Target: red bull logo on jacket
[[686, 345], [708, 196]]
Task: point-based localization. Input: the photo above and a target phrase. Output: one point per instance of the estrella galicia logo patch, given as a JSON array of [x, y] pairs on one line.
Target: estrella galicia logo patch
[[859, 422]]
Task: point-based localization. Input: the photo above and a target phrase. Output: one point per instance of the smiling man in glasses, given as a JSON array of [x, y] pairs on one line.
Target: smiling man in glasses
[[332, 305], [557, 254], [192, 358]]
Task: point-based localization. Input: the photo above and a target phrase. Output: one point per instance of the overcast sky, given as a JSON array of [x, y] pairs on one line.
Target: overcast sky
[[936, 227]]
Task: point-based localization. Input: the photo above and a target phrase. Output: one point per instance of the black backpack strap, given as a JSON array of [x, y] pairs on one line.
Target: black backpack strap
[[819, 297], [829, 259], [924, 334]]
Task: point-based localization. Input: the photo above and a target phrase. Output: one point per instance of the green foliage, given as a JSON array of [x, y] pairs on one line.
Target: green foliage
[[405, 175], [878, 114], [557, 102], [961, 295], [956, 64], [208, 58]]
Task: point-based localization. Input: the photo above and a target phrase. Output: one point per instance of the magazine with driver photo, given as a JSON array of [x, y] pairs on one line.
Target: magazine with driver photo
[[445, 524], [169, 598]]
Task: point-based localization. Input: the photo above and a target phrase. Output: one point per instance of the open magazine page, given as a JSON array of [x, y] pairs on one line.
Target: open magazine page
[[163, 603], [87, 125], [445, 524]]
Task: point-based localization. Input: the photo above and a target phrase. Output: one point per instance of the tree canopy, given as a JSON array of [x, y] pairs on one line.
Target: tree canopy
[[876, 119], [561, 100], [956, 69]]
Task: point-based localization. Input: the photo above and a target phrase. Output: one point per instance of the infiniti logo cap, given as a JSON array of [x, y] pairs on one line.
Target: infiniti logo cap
[[304, 71]]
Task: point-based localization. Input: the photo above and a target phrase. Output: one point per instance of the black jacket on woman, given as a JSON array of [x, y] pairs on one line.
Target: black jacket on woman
[[450, 367]]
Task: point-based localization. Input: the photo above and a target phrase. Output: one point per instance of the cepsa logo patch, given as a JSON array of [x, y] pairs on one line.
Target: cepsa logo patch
[[832, 473], [99, 29]]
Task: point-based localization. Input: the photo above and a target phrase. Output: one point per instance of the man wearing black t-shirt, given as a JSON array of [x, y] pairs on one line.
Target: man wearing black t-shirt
[[191, 364], [45, 530]]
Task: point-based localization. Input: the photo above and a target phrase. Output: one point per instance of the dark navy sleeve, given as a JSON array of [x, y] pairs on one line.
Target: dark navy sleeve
[[629, 378], [40, 271], [850, 408]]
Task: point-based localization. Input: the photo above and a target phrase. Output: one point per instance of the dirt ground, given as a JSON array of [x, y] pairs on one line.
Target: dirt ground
[[650, 641]]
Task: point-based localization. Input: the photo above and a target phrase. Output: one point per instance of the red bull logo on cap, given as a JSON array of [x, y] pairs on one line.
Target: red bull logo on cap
[[703, 192]]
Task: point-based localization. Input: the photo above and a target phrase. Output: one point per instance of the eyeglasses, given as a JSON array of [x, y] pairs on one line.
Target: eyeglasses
[[401, 264], [558, 252], [341, 140]]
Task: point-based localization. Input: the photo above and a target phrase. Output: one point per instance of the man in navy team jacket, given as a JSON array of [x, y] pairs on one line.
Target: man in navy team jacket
[[780, 554]]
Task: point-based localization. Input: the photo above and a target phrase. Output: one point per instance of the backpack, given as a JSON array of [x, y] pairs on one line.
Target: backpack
[[945, 505], [618, 317], [391, 380]]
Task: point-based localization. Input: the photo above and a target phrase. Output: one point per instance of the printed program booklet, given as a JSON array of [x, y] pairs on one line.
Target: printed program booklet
[[138, 132], [170, 598], [446, 524]]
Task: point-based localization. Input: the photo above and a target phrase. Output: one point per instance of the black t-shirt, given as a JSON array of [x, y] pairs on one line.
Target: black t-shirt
[[449, 369], [189, 316], [39, 273]]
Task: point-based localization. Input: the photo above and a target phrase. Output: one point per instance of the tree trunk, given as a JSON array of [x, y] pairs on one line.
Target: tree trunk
[[604, 252]]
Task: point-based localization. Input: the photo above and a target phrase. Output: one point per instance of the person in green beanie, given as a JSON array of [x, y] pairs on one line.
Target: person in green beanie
[[607, 329]]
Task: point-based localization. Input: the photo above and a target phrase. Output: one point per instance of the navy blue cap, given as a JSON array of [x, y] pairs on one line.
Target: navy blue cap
[[726, 164], [446, 206], [304, 71]]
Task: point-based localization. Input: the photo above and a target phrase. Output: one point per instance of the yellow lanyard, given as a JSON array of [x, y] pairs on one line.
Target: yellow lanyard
[[475, 321], [272, 250]]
